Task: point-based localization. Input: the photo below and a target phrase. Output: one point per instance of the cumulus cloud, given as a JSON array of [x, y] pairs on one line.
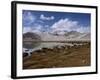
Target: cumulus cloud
[[26, 29], [36, 28], [83, 29], [28, 18], [69, 25], [46, 18]]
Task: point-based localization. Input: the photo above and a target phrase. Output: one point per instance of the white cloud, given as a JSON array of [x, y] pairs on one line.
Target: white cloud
[[28, 18], [40, 21], [36, 28], [69, 25], [46, 18], [26, 29], [84, 29], [46, 26]]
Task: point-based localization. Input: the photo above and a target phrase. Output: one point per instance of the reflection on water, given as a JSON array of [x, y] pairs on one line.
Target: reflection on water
[[32, 46]]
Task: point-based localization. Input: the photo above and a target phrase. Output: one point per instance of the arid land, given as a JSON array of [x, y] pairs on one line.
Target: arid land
[[64, 56]]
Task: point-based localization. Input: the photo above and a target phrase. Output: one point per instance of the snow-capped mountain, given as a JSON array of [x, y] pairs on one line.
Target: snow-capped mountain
[[63, 36], [72, 34], [85, 36], [59, 32]]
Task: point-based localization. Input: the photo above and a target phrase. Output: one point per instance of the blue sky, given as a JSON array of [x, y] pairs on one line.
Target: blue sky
[[53, 21]]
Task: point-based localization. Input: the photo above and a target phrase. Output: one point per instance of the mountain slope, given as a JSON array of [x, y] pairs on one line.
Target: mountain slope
[[59, 36]]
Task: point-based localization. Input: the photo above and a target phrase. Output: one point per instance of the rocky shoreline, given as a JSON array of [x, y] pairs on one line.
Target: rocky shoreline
[[58, 56]]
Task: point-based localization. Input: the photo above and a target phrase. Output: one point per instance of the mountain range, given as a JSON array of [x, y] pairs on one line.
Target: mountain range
[[61, 35]]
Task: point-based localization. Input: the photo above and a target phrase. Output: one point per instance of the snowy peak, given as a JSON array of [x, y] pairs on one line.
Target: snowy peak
[[59, 32], [63, 36]]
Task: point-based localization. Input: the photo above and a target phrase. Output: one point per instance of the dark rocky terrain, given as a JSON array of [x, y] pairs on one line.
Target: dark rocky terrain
[[59, 56]]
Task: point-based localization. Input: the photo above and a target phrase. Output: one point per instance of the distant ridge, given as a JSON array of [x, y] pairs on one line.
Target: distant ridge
[[55, 36], [31, 35]]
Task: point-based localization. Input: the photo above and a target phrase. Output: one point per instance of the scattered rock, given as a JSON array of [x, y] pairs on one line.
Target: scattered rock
[[83, 61], [43, 53], [25, 54]]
